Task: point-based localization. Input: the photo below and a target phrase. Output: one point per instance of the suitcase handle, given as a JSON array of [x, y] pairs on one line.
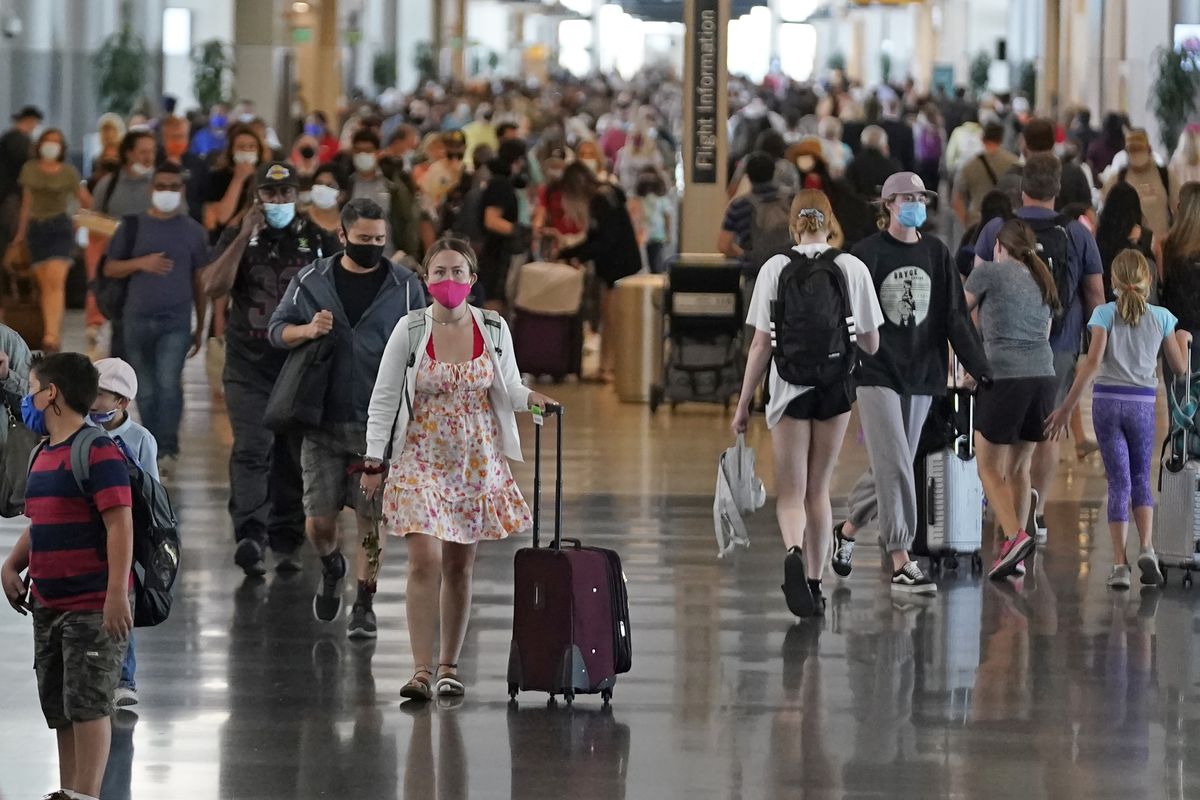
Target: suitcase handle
[[553, 410], [931, 502]]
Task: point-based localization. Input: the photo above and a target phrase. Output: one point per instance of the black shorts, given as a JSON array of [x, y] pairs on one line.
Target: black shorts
[[1014, 410], [821, 403]]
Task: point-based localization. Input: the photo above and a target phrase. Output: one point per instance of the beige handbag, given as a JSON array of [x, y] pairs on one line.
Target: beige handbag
[[95, 222], [544, 287]]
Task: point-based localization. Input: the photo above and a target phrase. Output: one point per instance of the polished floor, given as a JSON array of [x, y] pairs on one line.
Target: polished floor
[[1051, 688]]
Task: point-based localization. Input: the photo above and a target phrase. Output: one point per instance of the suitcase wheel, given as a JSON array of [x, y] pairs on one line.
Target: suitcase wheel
[[513, 691], [1187, 579], [569, 696], [1163, 569], [977, 564], [952, 562], [656, 397], [606, 696]]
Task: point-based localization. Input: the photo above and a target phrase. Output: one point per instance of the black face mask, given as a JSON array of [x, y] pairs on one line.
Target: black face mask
[[366, 256], [307, 152], [520, 181]]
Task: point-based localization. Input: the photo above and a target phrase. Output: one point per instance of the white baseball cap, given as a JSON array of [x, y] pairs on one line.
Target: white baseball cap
[[118, 377]]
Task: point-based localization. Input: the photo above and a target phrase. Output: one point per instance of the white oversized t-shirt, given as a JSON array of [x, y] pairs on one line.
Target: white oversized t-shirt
[[868, 316]]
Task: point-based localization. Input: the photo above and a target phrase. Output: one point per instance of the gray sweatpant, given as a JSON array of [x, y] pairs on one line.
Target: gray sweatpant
[[892, 426]]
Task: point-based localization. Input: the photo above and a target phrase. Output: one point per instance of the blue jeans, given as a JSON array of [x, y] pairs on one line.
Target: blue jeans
[[156, 348], [129, 666]]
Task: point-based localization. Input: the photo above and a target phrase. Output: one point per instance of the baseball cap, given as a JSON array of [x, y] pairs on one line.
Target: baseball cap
[[905, 183], [277, 173], [118, 377], [27, 112]]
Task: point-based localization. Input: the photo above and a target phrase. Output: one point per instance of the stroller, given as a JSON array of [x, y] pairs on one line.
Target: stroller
[[703, 360]]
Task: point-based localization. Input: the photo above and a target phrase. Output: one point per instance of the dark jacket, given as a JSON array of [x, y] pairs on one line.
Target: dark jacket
[[923, 308], [869, 170], [611, 242], [359, 349]]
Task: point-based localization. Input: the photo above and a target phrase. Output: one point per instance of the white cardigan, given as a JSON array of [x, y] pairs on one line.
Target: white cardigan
[[388, 414]]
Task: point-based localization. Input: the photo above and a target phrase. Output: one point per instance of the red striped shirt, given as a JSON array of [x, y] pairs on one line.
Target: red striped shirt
[[67, 562]]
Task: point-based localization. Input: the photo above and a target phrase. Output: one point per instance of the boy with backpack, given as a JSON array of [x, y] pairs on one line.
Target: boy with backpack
[[757, 225], [78, 550], [923, 307], [118, 387]]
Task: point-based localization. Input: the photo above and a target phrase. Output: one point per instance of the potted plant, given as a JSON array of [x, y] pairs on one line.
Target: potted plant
[[981, 65], [1027, 80], [885, 67], [383, 71], [120, 66], [212, 70], [836, 62], [425, 60], [1174, 97]]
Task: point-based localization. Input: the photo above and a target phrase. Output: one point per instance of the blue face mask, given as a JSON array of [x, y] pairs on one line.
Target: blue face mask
[[102, 418], [912, 215], [218, 121], [279, 215], [33, 417], [314, 130]]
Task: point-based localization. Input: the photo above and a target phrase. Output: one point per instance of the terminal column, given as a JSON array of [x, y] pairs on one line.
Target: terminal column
[[705, 117]]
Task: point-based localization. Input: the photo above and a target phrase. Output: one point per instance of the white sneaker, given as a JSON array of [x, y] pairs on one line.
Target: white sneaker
[[1119, 577], [1148, 564], [125, 696]]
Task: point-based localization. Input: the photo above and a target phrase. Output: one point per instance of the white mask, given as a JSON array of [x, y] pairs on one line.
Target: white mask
[[590, 163], [140, 170], [50, 150], [806, 163], [245, 157], [364, 162], [305, 198], [324, 197], [166, 202]]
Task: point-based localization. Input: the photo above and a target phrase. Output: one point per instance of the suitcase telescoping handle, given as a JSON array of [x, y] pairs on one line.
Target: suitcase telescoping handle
[[551, 410], [970, 408]]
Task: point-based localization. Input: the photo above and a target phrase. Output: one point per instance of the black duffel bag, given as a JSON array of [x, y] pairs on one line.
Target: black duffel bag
[[298, 399]]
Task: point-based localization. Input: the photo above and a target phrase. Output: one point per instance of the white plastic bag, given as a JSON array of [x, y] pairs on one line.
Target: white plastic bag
[[739, 491]]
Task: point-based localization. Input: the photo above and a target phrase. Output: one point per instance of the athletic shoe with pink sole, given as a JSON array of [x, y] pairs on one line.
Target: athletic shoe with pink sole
[[1012, 552]]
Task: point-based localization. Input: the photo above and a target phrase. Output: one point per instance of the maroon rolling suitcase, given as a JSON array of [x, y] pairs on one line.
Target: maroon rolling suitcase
[[548, 344], [571, 632]]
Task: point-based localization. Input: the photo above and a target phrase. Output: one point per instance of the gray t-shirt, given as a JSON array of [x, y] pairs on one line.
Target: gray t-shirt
[[184, 241], [131, 195], [1131, 356], [1014, 319]]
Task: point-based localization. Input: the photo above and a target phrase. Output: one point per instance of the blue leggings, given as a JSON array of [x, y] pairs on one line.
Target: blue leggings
[[1124, 423]]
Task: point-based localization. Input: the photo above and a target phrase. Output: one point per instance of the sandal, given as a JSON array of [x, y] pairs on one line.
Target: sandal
[[448, 683], [419, 688]]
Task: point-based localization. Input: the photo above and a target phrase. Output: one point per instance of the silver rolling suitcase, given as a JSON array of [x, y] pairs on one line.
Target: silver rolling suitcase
[[1177, 520], [950, 499]]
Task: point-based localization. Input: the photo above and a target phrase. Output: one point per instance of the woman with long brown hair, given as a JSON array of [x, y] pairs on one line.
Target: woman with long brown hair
[[807, 423], [1179, 267], [1017, 301], [49, 185], [610, 244], [234, 170], [1127, 337]]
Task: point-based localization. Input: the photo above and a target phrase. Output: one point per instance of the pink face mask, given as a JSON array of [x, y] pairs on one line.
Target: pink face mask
[[450, 294]]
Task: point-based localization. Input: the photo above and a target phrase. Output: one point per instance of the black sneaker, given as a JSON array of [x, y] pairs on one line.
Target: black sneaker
[[910, 578], [795, 585], [843, 551], [327, 604], [249, 556], [362, 623], [288, 563]]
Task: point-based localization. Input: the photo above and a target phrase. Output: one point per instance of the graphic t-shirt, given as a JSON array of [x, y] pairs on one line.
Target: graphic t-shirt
[[68, 568]]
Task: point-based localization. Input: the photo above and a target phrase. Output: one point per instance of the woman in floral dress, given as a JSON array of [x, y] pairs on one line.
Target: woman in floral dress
[[445, 406]]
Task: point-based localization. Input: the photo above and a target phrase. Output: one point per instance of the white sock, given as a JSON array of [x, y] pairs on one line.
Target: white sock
[[80, 795]]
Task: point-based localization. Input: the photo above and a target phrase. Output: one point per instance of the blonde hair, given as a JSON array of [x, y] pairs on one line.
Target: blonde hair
[[818, 216], [1131, 282]]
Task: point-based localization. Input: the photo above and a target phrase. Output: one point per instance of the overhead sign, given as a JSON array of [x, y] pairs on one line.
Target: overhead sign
[[706, 43]]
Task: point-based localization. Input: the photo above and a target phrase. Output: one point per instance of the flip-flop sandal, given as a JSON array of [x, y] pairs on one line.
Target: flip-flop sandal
[[449, 684], [795, 586], [419, 688]]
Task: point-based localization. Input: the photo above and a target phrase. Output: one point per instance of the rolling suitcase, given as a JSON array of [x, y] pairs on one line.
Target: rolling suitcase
[[547, 327], [949, 493], [571, 632], [1177, 520]]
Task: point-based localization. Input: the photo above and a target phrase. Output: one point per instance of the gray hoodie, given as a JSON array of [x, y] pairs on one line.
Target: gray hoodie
[[359, 349]]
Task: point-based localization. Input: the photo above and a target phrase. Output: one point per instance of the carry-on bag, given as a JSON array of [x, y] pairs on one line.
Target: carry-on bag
[[571, 632], [547, 327], [949, 492], [1177, 520]]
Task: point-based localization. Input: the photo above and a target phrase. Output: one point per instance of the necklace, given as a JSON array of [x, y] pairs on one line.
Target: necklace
[[457, 319]]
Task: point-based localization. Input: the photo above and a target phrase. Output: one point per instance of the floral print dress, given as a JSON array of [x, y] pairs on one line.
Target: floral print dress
[[452, 480]]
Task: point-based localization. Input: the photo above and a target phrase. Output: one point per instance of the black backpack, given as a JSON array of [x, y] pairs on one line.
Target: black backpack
[[812, 324], [156, 551], [1054, 247]]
